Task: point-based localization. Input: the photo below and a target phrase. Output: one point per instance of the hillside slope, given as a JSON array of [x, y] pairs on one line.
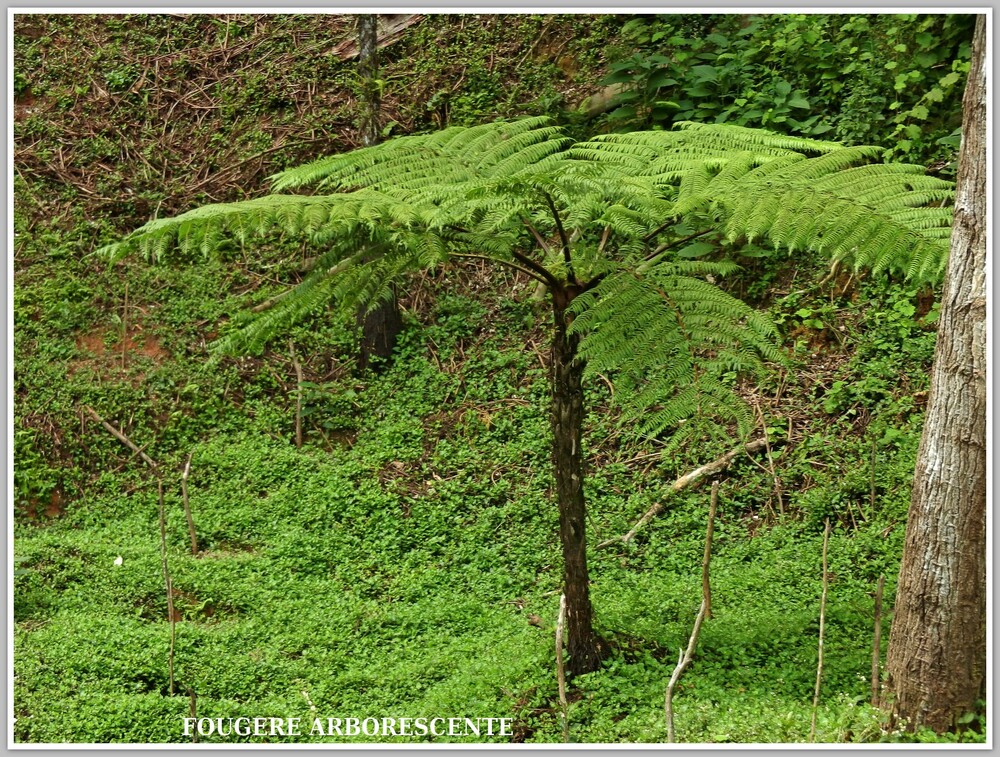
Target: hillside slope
[[403, 562]]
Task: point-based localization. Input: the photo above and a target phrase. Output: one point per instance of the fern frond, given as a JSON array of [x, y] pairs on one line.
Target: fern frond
[[452, 156], [670, 339]]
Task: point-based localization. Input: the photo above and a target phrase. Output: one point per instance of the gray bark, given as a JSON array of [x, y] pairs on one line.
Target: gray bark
[[937, 648], [368, 72]]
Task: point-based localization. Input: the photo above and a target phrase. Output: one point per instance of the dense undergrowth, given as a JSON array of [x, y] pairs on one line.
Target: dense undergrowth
[[403, 562]]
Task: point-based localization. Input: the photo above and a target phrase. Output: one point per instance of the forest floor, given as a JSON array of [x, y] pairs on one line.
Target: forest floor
[[404, 561]]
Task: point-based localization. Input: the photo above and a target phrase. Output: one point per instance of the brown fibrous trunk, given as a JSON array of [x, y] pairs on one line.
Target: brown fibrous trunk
[[583, 644]]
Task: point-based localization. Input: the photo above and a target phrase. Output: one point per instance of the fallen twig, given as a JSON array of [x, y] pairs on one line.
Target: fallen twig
[[123, 439], [690, 479]]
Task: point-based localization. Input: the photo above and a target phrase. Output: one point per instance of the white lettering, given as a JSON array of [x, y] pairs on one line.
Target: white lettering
[[389, 727]]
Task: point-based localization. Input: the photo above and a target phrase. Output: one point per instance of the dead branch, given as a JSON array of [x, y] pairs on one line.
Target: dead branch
[[534, 46], [561, 668], [169, 586], [706, 586], [393, 26], [123, 439], [684, 658], [125, 328], [298, 395], [877, 642], [822, 617], [688, 480], [187, 505]]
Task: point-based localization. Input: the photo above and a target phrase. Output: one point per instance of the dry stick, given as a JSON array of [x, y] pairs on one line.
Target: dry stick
[[874, 459], [689, 479], [877, 641], [169, 585], [123, 439], [125, 327], [706, 586], [187, 505], [298, 397], [684, 658], [561, 668], [822, 617], [770, 461]]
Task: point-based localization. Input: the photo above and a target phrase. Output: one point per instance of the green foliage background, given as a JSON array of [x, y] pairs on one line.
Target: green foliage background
[[392, 565], [891, 79]]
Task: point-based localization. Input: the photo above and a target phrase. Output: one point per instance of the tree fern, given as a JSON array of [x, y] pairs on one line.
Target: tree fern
[[592, 222]]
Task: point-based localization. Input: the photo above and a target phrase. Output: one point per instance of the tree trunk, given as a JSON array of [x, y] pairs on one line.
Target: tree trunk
[[567, 458], [381, 326], [936, 663], [379, 329], [371, 101]]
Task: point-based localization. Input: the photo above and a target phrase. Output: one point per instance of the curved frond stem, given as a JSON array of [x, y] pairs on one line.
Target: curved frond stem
[[605, 236], [570, 276], [670, 245], [543, 272], [660, 229], [538, 237], [652, 258]]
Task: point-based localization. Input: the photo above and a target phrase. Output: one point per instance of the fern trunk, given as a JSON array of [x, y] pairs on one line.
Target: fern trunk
[[380, 326], [567, 457], [368, 73]]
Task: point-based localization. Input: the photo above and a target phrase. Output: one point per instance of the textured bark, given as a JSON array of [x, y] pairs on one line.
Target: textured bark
[[381, 326], [379, 329], [936, 663], [567, 458], [368, 73]]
